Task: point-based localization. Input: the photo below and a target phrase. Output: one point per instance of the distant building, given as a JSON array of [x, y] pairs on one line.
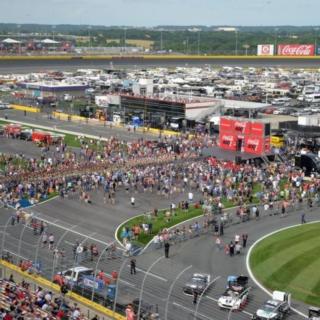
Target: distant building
[[227, 29], [52, 89], [155, 108]]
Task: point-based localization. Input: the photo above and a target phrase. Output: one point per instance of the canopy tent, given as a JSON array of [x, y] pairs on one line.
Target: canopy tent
[[49, 41], [11, 41]]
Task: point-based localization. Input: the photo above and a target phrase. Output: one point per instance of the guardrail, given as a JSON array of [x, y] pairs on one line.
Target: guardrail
[[227, 217]]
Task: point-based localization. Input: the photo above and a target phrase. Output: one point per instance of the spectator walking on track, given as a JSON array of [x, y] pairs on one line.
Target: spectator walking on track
[[195, 297], [303, 218], [51, 241], [166, 249], [244, 240], [133, 266]]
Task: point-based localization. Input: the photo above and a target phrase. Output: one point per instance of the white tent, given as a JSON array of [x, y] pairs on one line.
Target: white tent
[[10, 41], [49, 41]]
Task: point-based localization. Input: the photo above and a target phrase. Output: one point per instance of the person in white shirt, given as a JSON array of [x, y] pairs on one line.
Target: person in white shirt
[[76, 314], [51, 241]]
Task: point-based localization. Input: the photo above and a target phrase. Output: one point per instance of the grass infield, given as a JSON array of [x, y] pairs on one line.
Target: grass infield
[[290, 261]]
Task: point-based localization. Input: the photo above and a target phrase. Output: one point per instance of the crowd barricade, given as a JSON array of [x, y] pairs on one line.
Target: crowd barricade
[[87, 307], [188, 230], [25, 108]]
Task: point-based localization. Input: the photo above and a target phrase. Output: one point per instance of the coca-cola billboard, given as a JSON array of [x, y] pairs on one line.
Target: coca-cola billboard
[[265, 50], [296, 50]]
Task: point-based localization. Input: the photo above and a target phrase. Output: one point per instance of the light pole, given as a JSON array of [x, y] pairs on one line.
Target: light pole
[[22, 232], [275, 39], [143, 281], [171, 288], [53, 28], [4, 234], [315, 39], [124, 263], [89, 34], [161, 40], [125, 39], [236, 45], [19, 37], [106, 248], [246, 47], [58, 245], [201, 295]]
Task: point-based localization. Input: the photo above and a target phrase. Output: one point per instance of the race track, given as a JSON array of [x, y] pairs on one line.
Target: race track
[[26, 66], [73, 221]]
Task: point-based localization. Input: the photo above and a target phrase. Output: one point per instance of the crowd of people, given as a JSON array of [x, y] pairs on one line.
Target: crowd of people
[[169, 165], [19, 302]]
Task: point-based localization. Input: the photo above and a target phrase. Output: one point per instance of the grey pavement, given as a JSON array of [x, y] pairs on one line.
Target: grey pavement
[[79, 127], [29, 66], [71, 220], [199, 252]]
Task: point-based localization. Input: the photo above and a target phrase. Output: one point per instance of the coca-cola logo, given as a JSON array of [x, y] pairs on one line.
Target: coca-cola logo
[[265, 49], [253, 142], [240, 124], [296, 50], [228, 138]]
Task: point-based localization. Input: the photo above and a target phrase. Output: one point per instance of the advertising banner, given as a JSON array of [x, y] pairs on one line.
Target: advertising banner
[[265, 50], [226, 125], [227, 141], [254, 145], [257, 129], [242, 127], [296, 50]]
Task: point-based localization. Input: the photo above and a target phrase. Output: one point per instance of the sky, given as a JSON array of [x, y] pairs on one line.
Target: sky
[[162, 12]]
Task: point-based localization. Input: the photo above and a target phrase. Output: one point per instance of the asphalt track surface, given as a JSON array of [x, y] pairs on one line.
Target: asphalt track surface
[[28, 66], [199, 253], [71, 220], [78, 127]]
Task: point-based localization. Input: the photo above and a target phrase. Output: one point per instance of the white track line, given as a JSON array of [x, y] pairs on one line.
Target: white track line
[[190, 310], [152, 274], [243, 311], [251, 273]]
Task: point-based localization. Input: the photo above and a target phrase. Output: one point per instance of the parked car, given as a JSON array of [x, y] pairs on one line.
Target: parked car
[[4, 106], [269, 110], [26, 135]]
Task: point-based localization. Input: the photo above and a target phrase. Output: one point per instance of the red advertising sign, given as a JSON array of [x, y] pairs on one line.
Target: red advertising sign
[[296, 50], [257, 129], [226, 125], [228, 141], [254, 145], [242, 127]]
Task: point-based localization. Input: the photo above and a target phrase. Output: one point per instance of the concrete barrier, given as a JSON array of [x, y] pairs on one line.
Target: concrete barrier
[[88, 307], [24, 108]]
